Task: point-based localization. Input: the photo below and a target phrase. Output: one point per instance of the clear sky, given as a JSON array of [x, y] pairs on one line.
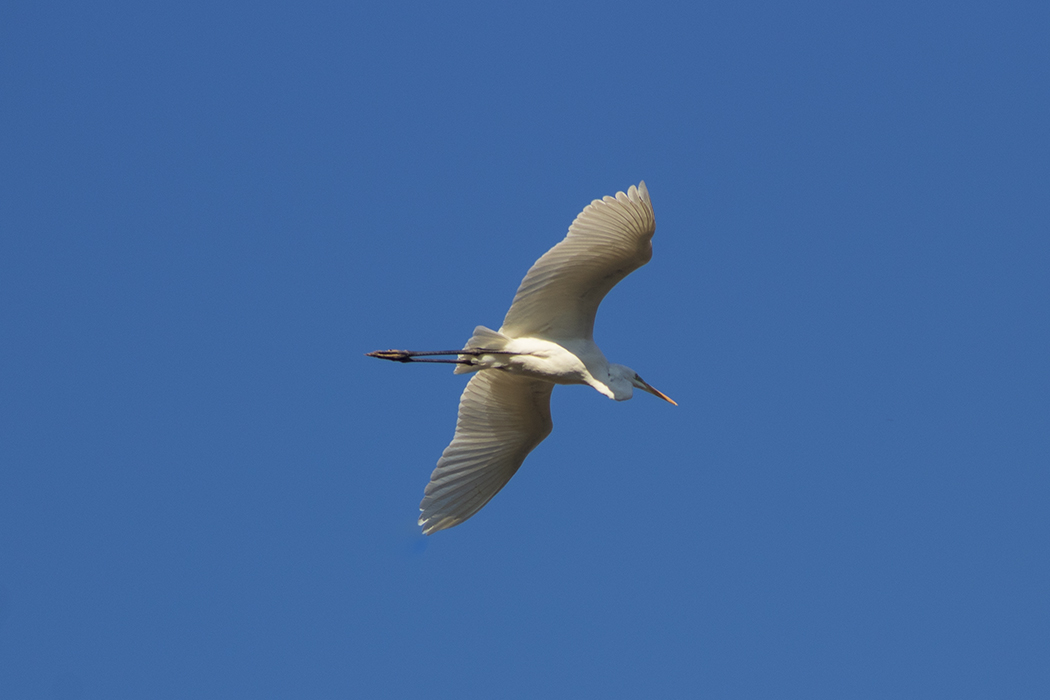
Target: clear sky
[[210, 211]]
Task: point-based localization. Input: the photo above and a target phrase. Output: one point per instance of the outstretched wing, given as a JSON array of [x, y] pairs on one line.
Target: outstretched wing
[[502, 417], [561, 292]]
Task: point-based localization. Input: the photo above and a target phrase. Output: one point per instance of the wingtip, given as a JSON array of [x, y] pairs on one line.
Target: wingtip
[[638, 193], [431, 525]]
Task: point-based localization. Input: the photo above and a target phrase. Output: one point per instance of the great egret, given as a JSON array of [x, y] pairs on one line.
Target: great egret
[[546, 339]]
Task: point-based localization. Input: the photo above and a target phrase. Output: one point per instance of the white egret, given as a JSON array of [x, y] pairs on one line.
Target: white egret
[[546, 339]]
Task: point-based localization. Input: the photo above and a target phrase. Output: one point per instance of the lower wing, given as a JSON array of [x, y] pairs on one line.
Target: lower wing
[[502, 418]]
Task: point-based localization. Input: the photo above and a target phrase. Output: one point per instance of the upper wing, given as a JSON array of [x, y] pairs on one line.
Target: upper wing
[[561, 292], [502, 417]]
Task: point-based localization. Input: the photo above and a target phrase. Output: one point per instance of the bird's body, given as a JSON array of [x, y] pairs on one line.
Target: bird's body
[[574, 361], [546, 339], [539, 359]]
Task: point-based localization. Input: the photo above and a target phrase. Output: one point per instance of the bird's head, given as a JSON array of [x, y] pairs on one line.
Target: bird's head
[[625, 377]]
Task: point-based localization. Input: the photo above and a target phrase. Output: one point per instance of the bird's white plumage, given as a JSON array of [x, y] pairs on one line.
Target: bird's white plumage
[[561, 292], [546, 339], [502, 417]]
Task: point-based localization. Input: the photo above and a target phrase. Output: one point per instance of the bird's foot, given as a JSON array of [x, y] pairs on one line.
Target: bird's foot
[[393, 355]]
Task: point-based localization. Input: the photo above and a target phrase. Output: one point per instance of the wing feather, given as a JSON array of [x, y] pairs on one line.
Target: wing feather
[[560, 294], [502, 417]]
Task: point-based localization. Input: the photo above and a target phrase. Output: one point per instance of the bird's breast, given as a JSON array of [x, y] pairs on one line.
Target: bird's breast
[[543, 359]]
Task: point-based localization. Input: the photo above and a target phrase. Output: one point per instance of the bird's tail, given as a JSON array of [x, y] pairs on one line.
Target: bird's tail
[[483, 339]]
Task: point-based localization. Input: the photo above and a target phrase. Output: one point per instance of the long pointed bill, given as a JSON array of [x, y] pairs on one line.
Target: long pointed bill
[[657, 392]]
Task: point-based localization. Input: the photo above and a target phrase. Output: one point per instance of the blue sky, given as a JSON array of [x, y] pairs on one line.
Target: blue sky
[[210, 212]]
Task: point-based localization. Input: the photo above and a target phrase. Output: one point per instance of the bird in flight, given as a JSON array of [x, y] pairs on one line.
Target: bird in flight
[[546, 339]]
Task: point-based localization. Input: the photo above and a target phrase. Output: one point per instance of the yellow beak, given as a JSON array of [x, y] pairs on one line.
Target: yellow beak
[[657, 392]]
